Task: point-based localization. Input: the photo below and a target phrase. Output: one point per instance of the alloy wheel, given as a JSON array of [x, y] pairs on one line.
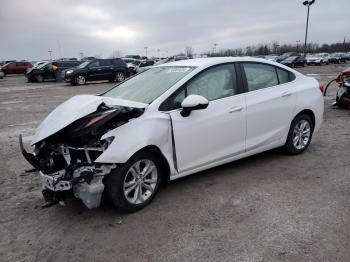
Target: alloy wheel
[[120, 77], [301, 134], [140, 181], [81, 80]]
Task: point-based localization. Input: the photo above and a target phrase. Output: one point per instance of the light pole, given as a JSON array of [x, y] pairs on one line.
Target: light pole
[[146, 47], [214, 48], [298, 42], [308, 4], [50, 52], [158, 51]]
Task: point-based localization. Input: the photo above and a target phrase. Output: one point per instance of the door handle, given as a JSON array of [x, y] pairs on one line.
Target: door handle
[[287, 93], [99, 69], [235, 109]]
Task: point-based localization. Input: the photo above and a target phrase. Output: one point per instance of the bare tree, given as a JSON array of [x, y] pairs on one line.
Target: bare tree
[[189, 51]]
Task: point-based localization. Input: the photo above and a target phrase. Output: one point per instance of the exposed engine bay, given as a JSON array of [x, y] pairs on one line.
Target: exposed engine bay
[[66, 158]]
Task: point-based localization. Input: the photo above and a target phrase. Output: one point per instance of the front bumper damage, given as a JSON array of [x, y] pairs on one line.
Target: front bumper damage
[[82, 180]]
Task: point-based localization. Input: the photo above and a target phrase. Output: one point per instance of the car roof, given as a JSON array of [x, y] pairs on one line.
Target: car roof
[[204, 62]]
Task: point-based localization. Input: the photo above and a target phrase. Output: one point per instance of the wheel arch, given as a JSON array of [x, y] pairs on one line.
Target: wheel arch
[[162, 159], [308, 112]]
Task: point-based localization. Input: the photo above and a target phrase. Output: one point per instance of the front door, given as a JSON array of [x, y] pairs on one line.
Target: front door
[[217, 132], [95, 71]]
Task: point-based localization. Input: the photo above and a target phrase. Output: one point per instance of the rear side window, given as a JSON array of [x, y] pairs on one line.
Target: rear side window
[[105, 63], [94, 64], [260, 76], [283, 76]]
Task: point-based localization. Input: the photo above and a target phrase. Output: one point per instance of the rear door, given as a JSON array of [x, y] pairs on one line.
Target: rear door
[[19, 68], [270, 100], [107, 71]]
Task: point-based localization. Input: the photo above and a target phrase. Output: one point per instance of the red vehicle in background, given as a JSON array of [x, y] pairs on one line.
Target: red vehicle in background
[[342, 98], [343, 75], [16, 67]]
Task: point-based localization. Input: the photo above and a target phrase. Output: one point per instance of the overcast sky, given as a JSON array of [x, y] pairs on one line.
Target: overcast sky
[[29, 29]]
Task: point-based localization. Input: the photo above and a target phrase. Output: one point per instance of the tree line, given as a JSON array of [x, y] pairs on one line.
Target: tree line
[[276, 48]]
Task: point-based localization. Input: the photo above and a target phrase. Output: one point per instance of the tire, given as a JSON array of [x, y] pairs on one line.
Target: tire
[[295, 146], [119, 76], [80, 80], [121, 180], [39, 78]]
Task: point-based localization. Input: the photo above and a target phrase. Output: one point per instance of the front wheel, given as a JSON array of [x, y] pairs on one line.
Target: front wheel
[[80, 80], [39, 78], [299, 135], [133, 185]]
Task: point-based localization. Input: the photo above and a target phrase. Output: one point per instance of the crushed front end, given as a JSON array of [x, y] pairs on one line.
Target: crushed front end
[[65, 160]]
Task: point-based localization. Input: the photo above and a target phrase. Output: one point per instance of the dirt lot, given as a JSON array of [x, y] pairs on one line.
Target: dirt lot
[[269, 207]]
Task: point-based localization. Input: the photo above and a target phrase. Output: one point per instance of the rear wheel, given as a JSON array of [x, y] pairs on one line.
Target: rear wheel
[[133, 185], [299, 135]]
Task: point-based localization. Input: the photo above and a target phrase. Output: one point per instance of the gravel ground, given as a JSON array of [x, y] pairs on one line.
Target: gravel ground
[[269, 207]]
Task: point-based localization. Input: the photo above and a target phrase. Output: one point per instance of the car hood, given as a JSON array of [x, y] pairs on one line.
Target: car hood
[[74, 109]]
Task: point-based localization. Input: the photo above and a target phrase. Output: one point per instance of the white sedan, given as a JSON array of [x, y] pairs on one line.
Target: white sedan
[[171, 121]]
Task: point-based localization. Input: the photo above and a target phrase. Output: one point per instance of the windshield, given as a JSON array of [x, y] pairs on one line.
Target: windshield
[[291, 58], [42, 65], [149, 85], [84, 64]]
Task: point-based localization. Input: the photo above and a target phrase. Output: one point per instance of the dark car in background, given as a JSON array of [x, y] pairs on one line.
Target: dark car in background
[[337, 58], [285, 55], [294, 61], [49, 70], [97, 70], [16, 67]]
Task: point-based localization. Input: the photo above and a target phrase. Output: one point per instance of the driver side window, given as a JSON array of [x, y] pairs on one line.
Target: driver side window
[[94, 64], [214, 83]]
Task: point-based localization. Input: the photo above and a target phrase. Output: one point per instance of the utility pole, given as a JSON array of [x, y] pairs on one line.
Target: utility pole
[[308, 4], [214, 49], [50, 52], [146, 47]]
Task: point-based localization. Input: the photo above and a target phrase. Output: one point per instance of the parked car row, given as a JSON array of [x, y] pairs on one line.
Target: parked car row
[[293, 59]]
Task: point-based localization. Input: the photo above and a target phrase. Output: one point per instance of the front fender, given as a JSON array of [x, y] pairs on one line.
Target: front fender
[[137, 134]]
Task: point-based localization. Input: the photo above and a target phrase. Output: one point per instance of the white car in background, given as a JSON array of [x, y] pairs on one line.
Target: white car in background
[[272, 58], [318, 59], [171, 121]]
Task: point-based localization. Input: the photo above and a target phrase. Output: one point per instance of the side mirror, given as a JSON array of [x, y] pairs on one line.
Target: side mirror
[[193, 102]]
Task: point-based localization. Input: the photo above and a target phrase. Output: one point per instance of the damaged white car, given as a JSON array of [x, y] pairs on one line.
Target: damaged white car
[[170, 121]]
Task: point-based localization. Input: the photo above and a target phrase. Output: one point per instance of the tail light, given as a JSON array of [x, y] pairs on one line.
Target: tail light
[[321, 87]]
